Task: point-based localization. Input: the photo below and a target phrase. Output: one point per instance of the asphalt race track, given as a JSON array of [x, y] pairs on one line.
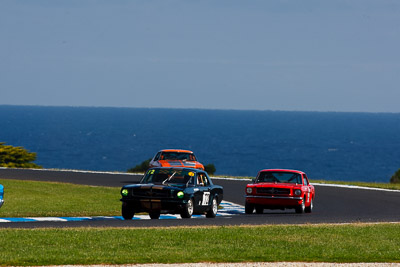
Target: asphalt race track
[[331, 205]]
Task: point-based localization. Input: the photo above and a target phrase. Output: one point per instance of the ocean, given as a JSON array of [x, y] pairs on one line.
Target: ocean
[[326, 145]]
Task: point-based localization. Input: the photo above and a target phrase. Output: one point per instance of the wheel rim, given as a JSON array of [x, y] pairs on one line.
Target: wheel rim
[[215, 206], [190, 207]]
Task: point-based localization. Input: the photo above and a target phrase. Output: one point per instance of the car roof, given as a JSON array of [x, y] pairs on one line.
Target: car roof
[[176, 150], [282, 170]]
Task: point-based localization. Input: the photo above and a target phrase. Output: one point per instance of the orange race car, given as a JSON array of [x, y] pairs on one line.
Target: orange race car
[[175, 158]]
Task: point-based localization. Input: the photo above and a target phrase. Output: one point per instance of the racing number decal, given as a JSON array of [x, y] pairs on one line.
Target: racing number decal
[[206, 198]]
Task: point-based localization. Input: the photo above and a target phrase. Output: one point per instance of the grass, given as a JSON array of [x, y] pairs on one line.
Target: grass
[[268, 243], [307, 243], [31, 198]]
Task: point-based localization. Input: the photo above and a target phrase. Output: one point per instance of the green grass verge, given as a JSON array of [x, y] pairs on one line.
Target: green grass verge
[[32, 198], [308, 243]]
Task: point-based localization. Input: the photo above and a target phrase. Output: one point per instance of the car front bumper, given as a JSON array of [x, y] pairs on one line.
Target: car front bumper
[[154, 204], [284, 201]]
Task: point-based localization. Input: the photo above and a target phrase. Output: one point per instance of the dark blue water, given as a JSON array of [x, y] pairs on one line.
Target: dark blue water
[[326, 145]]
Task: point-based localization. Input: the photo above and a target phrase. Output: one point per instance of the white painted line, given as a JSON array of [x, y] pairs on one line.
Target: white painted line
[[228, 209], [47, 219], [357, 187]]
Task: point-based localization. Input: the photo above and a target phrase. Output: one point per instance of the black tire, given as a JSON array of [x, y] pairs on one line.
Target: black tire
[[259, 209], [248, 208], [301, 208], [127, 211], [310, 208], [154, 215], [188, 210], [213, 209]]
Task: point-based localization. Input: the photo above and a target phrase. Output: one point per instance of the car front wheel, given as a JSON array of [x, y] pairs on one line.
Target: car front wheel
[[310, 208], [127, 211], [301, 208], [188, 209], [248, 208], [213, 210]]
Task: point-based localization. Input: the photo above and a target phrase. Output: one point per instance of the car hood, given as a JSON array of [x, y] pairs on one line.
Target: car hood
[[180, 163], [276, 185], [156, 186]]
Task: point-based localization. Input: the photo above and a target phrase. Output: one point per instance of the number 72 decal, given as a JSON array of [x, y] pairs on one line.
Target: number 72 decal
[[206, 199]]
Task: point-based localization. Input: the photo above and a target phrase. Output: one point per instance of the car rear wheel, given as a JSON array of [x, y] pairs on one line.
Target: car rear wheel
[[248, 208], [188, 209], [213, 210], [127, 211], [310, 208], [154, 215], [301, 208]]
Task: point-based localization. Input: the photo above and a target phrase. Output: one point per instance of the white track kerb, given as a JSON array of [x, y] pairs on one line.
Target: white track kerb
[[226, 209]]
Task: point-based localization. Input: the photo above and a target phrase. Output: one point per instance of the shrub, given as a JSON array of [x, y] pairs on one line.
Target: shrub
[[210, 169], [396, 177], [16, 157], [142, 167]]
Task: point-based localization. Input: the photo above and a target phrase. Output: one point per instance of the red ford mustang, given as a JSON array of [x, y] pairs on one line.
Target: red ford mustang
[[280, 189]]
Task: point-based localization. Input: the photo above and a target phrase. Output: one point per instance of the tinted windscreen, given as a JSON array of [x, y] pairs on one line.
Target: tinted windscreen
[[164, 176], [177, 156], [279, 177]]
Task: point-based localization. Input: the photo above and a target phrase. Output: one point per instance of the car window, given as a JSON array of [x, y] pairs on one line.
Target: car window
[[192, 157], [202, 180], [279, 177], [177, 156], [168, 176], [305, 180], [206, 180], [157, 157]]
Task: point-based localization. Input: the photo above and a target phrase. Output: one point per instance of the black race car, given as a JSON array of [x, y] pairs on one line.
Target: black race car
[[184, 191]]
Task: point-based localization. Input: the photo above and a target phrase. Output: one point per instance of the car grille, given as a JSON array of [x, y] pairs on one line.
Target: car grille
[[273, 191], [152, 193]]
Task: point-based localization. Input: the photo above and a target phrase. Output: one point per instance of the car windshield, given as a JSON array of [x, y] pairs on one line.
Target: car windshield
[[279, 177], [168, 176], [177, 156]]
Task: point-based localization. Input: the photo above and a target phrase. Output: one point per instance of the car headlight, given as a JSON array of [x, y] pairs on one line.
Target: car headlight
[[297, 192], [249, 190], [124, 192], [180, 194]]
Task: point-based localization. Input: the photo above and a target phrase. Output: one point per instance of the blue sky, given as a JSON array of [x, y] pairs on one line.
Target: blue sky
[[225, 54]]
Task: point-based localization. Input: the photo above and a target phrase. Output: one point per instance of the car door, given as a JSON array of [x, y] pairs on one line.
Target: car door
[[202, 192], [309, 192]]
